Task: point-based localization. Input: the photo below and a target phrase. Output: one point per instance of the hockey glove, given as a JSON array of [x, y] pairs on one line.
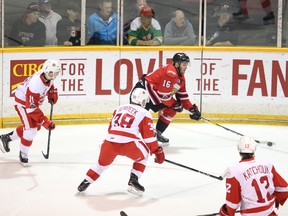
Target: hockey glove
[[159, 155], [52, 95], [223, 211], [49, 125], [195, 114]]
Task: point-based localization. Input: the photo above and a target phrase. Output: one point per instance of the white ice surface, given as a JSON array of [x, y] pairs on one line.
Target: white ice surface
[[49, 187]]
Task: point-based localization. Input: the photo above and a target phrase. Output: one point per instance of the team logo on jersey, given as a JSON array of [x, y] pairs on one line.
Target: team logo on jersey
[[166, 97], [176, 87], [174, 91]]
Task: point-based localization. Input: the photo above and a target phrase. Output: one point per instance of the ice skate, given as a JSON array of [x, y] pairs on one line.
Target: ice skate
[[134, 187], [163, 141], [23, 159], [83, 186], [4, 142], [269, 19]]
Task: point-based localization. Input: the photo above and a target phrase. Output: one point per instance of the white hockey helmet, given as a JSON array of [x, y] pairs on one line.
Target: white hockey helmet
[[139, 96], [246, 144], [51, 69]]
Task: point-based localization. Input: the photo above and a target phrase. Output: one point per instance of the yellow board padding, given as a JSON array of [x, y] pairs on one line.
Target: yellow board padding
[[141, 48], [99, 118]]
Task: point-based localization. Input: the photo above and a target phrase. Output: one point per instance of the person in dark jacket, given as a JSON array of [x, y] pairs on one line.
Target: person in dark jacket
[[225, 33], [28, 31], [69, 28]]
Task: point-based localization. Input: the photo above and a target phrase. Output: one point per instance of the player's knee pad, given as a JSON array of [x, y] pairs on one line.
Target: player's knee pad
[[99, 168], [29, 134]]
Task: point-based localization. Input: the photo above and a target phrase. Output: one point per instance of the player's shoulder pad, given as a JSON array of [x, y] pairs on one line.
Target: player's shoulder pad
[[171, 72]]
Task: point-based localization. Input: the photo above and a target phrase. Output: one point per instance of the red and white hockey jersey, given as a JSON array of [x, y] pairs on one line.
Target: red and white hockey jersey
[[164, 83], [253, 185], [31, 94], [130, 123]]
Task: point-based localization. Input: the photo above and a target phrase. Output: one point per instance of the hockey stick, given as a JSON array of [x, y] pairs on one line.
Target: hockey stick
[[269, 143], [195, 170], [213, 214], [14, 40], [46, 156], [122, 213]]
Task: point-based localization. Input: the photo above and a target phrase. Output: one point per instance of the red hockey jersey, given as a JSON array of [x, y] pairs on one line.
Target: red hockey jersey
[[164, 83]]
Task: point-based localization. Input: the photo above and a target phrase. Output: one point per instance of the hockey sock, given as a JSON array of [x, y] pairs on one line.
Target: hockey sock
[[266, 5], [161, 126], [243, 6]]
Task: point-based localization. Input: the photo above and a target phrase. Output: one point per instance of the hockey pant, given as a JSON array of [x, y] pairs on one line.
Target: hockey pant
[[137, 151], [266, 5], [27, 131], [166, 115]]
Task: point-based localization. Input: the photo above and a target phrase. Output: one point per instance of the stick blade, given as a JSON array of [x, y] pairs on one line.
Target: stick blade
[[268, 143], [45, 156], [122, 213], [220, 178]]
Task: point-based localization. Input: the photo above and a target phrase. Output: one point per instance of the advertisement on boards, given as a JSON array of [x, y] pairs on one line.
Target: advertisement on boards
[[97, 81]]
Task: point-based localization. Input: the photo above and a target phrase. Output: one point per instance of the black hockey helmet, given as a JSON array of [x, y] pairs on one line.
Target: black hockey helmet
[[181, 57]]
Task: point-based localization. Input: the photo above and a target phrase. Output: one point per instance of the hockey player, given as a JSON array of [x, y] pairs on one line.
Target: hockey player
[[162, 85], [29, 96], [129, 122], [253, 185], [266, 5]]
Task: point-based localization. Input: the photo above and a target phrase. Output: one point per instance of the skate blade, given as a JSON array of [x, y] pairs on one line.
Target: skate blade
[[243, 18], [133, 190], [80, 193], [163, 144], [270, 22], [2, 148], [24, 164]]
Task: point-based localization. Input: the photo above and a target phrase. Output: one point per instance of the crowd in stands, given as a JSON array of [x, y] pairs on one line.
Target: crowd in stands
[[43, 25]]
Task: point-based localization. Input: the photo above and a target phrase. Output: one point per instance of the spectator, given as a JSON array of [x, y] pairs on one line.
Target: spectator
[[28, 31], [50, 20], [131, 133], [168, 95], [29, 97], [102, 25], [225, 35], [266, 5], [145, 30], [253, 185], [69, 28], [126, 27], [179, 31]]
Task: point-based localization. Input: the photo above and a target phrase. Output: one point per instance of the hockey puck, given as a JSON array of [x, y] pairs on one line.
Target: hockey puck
[[122, 213], [269, 143]]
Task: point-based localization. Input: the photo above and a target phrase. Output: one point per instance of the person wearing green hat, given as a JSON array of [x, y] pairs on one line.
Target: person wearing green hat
[[145, 30]]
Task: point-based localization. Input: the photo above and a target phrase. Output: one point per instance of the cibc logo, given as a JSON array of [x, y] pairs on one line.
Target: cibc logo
[[20, 70]]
